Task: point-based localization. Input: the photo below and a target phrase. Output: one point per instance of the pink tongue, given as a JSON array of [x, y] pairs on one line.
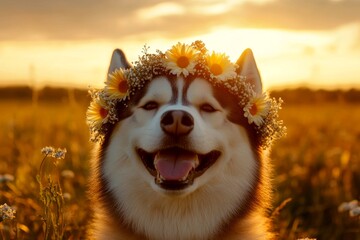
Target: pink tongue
[[174, 165]]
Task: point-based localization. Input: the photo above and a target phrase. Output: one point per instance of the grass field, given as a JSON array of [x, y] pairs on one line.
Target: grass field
[[317, 165]]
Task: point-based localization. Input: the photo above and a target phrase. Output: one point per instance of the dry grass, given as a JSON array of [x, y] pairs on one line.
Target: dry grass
[[316, 165]]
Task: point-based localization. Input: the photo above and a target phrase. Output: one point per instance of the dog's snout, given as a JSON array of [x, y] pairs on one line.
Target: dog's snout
[[177, 122]]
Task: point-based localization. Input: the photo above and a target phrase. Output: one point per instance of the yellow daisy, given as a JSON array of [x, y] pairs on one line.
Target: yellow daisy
[[257, 109], [220, 66], [96, 113], [181, 59], [117, 85]]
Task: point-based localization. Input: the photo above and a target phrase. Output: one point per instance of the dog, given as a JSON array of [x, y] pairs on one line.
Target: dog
[[181, 162]]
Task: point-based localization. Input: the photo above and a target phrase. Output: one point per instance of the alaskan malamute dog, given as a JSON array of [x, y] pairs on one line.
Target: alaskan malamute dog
[[181, 160]]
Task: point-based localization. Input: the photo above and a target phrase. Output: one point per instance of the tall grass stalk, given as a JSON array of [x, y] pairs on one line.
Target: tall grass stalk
[[51, 194]]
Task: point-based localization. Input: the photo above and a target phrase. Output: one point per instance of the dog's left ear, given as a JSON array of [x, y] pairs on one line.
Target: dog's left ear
[[248, 68], [118, 60]]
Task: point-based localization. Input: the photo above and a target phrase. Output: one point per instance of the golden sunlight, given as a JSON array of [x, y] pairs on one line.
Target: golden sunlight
[[285, 58], [289, 58]]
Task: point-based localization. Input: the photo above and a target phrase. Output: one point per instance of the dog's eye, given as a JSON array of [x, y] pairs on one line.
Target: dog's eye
[[207, 108], [150, 106]]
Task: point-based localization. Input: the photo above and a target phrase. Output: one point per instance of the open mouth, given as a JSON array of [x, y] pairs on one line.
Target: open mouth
[[176, 168]]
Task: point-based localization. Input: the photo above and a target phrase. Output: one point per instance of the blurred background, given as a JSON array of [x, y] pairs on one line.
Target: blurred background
[[308, 53]]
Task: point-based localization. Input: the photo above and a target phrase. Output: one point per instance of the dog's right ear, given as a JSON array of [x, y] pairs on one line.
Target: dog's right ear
[[118, 60]]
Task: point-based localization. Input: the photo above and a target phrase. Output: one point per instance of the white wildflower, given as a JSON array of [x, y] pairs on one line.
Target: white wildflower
[[6, 178], [6, 212], [347, 206], [354, 212], [59, 153], [47, 151]]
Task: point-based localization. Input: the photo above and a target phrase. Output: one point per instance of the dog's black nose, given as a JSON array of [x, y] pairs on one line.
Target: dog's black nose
[[177, 123]]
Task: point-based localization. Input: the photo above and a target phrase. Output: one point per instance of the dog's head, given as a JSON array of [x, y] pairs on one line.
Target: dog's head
[[179, 133], [181, 136]]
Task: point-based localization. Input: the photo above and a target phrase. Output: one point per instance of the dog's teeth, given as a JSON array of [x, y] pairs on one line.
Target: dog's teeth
[[156, 159], [196, 162], [159, 178]]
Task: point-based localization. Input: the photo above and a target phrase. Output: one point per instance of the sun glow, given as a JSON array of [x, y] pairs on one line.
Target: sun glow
[[291, 58], [284, 58]]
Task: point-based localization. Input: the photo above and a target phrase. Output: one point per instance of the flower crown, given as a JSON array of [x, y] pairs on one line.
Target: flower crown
[[183, 60]]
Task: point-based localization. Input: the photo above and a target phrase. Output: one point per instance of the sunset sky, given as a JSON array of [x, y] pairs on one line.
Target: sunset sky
[[69, 43]]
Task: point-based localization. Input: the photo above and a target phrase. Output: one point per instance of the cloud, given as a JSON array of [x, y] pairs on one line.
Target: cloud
[[160, 10], [112, 19], [300, 14], [78, 19]]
